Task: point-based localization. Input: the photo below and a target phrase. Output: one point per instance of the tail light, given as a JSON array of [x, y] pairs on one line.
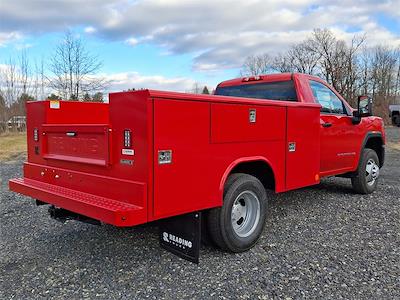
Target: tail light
[[127, 138], [36, 135]]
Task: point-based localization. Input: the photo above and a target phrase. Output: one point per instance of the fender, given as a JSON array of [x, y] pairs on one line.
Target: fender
[[373, 134], [237, 162]]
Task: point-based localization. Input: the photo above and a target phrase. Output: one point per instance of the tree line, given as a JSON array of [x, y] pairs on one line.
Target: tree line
[[352, 68], [70, 72]]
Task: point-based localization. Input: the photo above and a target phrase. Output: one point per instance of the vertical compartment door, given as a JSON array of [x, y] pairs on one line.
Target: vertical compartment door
[[303, 147]]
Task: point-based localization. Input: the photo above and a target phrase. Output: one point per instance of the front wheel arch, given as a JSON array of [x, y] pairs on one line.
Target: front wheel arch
[[374, 141]]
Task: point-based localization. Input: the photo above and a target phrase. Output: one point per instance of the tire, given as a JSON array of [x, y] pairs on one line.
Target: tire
[[367, 173], [396, 120], [238, 224]]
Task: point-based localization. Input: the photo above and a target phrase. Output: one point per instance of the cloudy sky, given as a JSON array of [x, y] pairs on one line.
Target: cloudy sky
[[170, 44]]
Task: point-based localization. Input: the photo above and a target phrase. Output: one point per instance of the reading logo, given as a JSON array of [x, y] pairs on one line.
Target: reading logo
[[176, 241]]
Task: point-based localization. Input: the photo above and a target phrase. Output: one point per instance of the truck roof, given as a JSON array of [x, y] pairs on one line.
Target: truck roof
[[265, 78]]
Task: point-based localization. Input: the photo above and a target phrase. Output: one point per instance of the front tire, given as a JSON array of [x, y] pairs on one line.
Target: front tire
[[367, 174], [238, 224]]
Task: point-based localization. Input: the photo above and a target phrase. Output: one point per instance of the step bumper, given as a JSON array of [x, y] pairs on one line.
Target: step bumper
[[103, 209]]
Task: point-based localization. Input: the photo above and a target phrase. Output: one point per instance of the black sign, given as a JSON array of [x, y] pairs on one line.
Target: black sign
[[181, 236]]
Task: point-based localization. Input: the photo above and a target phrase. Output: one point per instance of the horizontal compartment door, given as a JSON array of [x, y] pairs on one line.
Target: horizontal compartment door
[[84, 143]]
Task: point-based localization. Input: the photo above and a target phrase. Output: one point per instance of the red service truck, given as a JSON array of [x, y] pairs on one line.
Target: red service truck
[[198, 163]]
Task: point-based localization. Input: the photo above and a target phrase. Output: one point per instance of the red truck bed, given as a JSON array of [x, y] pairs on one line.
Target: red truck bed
[[79, 162]]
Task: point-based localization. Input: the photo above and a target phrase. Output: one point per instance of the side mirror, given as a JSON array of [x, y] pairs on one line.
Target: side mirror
[[364, 109], [364, 106]]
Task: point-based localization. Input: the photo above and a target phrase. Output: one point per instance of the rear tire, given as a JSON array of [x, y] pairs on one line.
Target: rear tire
[[238, 224], [367, 173]]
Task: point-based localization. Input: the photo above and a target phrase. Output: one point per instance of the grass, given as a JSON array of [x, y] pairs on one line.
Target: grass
[[12, 145]]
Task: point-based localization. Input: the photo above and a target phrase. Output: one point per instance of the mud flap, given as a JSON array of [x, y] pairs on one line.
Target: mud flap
[[181, 235]]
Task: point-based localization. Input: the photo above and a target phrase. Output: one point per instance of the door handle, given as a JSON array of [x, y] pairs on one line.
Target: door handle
[[326, 125]]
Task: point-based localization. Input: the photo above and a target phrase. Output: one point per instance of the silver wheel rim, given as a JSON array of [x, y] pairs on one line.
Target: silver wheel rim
[[371, 172], [245, 214]]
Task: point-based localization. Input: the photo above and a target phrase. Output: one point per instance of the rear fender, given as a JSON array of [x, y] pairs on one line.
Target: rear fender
[[235, 163]]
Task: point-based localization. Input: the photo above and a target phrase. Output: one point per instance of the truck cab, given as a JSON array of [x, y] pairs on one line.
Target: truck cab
[[342, 135]]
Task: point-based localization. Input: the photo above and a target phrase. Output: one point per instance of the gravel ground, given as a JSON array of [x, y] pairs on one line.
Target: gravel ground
[[320, 242]]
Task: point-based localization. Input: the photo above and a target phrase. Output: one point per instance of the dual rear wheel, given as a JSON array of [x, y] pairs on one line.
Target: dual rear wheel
[[237, 225]]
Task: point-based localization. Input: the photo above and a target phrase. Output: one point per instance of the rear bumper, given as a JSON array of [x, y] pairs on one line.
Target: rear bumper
[[103, 209]]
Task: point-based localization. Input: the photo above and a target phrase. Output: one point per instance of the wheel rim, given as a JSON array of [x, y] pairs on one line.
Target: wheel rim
[[245, 214], [371, 172]]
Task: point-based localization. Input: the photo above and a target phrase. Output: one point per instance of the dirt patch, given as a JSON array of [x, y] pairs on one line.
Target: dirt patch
[[394, 146], [12, 145]]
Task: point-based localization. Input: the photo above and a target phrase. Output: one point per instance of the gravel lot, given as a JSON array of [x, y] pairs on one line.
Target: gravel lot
[[319, 242]]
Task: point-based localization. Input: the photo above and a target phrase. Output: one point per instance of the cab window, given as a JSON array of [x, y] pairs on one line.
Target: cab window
[[329, 101], [279, 90]]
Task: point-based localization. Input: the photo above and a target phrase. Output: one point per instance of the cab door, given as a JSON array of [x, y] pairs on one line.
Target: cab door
[[337, 133]]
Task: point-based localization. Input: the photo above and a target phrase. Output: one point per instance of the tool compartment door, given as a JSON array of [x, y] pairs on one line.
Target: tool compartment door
[[303, 147], [182, 127], [83, 143]]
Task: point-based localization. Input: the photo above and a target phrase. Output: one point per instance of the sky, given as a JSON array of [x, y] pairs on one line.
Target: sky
[[173, 44]]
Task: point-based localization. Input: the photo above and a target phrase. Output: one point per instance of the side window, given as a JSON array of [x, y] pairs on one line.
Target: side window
[[329, 101]]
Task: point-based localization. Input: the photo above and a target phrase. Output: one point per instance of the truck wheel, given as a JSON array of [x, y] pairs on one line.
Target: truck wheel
[[396, 120], [238, 224], [367, 173]]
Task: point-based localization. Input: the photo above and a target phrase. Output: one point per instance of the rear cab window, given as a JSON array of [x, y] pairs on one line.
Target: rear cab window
[[278, 90]]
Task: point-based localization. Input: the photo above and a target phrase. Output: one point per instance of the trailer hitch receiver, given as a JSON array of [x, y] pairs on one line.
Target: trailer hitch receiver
[[63, 215]]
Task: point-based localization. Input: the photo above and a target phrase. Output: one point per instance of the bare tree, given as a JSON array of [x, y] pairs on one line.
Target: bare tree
[[352, 67], [196, 89], [39, 80], [256, 65], [282, 63], [297, 59], [384, 70], [75, 69], [10, 82], [25, 74], [397, 86], [16, 78], [337, 60], [3, 112], [16, 85]]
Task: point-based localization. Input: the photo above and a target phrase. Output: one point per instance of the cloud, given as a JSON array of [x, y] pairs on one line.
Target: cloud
[[90, 29], [218, 34], [8, 37], [129, 80], [132, 41]]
